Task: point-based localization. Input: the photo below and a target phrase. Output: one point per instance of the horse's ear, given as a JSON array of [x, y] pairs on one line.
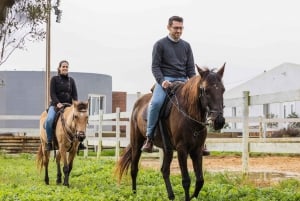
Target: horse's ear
[[200, 71], [221, 70]]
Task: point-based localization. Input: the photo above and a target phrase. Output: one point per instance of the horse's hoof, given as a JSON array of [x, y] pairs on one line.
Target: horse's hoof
[[67, 185]]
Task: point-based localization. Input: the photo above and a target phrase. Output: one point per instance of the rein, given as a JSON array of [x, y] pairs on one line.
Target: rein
[[176, 105], [68, 130]]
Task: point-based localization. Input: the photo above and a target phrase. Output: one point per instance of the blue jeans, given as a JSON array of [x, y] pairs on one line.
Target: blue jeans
[[157, 100], [49, 123]]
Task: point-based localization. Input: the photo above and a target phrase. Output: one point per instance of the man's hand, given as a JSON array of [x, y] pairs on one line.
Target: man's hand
[[165, 84]]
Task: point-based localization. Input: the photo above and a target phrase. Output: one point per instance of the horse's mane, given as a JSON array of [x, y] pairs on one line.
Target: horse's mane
[[191, 90]]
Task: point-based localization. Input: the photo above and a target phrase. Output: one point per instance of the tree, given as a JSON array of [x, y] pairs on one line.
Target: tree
[[23, 22], [4, 5]]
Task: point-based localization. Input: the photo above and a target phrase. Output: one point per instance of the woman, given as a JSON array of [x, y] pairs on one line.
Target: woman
[[62, 90]]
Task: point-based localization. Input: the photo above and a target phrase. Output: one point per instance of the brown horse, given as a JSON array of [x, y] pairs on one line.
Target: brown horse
[[194, 105], [69, 131]]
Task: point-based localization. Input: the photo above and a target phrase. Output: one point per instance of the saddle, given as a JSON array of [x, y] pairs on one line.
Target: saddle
[[167, 105], [59, 112], [164, 113]]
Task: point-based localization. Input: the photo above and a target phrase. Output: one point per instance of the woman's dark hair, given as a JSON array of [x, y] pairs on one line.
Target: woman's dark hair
[[59, 65], [175, 18]]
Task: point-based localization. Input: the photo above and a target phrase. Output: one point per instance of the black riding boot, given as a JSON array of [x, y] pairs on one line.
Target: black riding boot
[[81, 146], [49, 146], [205, 151]]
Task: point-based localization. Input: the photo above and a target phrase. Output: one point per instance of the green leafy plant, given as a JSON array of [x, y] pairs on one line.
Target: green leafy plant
[[94, 180]]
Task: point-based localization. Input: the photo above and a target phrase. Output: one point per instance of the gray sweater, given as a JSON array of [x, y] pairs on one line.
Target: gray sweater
[[172, 59]]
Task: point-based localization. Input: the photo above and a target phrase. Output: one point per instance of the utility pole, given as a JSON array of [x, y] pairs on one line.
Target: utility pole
[[58, 14], [48, 48]]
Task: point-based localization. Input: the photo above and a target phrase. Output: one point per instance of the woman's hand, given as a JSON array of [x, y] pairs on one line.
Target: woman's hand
[[59, 105]]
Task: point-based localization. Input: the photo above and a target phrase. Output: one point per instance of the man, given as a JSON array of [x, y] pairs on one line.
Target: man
[[172, 60]]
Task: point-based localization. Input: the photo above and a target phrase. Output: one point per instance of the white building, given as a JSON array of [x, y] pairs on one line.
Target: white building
[[282, 78]]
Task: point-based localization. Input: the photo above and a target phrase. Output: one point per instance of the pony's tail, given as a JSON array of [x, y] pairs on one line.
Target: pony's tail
[[40, 158], [124, 162]]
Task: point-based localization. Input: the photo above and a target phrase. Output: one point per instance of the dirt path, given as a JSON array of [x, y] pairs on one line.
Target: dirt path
[[279, 164]]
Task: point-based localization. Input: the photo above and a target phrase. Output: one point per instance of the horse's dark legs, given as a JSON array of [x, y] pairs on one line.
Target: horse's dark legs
[[165, 170], [135, 167], [186, 181], [46, 164], [58, 176], [197, 164], [66, 170]]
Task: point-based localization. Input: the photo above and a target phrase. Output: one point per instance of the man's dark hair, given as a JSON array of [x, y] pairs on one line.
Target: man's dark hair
[[175, 18]]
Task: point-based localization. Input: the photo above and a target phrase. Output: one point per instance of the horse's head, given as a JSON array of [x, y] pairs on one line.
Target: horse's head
[[80, 118], [211, 90]]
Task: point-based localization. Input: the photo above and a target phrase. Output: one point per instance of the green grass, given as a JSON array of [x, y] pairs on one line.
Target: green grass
[[93, 179]]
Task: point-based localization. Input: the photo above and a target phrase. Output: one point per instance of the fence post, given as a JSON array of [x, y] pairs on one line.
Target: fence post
[[85, 152], [245, 154], [260, 126], [100, 133], [117, 133]]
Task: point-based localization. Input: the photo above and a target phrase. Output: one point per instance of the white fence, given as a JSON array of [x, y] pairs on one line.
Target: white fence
[[98, 124], [100, 134]]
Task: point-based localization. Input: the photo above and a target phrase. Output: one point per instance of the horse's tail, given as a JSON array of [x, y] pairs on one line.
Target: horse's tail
[[40, 158], [124, 162]]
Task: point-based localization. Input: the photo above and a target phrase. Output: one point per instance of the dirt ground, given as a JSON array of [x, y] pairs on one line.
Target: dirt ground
[[277, 164]]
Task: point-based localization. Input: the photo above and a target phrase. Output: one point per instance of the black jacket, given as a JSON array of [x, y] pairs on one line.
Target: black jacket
[[62, 89]]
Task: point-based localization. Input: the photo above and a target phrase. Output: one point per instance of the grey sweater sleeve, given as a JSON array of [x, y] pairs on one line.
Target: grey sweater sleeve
[[156, 63]]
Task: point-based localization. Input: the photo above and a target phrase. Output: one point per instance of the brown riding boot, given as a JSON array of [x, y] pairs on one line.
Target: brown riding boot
[[205, 151], [148, 145]]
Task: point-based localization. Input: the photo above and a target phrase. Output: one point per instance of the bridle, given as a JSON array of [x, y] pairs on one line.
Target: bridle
[[202, 96], [71, 131], [208, 111]]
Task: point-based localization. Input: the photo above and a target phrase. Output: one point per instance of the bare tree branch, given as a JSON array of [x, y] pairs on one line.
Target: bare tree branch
[[23, 23]]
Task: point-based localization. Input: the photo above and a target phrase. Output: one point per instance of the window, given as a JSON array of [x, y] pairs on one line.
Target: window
[[97, 103]]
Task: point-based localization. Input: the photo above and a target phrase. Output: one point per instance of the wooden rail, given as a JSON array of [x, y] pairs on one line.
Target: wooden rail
[[19, 144]]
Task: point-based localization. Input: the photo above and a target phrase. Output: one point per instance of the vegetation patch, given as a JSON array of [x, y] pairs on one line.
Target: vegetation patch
[[93, 179]]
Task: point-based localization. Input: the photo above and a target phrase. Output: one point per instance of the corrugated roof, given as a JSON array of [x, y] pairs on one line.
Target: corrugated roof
[[281, 78]]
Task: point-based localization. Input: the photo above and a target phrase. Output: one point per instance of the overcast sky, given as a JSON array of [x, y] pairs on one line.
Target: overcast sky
[[116, 37]]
